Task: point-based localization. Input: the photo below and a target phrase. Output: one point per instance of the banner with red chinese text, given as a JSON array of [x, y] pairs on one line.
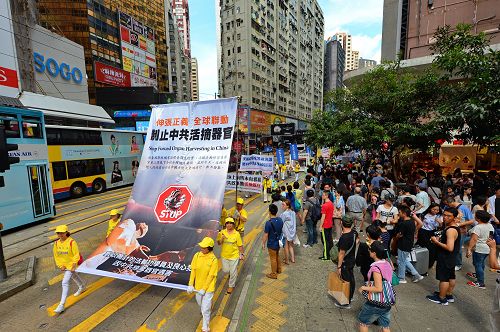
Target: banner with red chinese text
[[177, 196]]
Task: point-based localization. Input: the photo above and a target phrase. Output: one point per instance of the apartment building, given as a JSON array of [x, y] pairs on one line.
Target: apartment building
[[351, 56], [195, 90], [181, 12], [271, 54], [334, 64]]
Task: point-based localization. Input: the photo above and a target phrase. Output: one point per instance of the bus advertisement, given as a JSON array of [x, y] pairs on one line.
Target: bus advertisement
[[90, 160]]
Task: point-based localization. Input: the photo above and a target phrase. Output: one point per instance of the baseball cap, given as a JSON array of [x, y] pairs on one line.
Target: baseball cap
[[61, 229], [113, 212], [229, 219], [206, 242], [240, 201]]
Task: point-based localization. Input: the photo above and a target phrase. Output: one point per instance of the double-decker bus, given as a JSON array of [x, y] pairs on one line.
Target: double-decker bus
[[90, 160], [26, 196]]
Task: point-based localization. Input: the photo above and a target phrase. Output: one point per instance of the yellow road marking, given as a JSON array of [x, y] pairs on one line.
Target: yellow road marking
[[95, 197], [107, 207], [56, 279], [110, 308], [53, 237], [72, 299]]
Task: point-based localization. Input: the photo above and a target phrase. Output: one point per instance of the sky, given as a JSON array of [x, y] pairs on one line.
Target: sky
[[360, 18]]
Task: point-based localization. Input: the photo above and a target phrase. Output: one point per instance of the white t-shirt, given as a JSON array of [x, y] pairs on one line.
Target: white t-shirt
[[387, 215], [423, 199], [435, 192], [483, 233]]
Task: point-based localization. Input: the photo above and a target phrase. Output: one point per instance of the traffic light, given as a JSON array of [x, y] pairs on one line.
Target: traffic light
[[5, 159]]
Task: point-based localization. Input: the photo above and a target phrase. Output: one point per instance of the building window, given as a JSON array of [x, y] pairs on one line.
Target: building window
[[239, 49], [238, 36]]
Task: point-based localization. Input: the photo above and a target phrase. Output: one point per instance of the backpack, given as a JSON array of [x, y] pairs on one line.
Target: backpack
[[315, 213]]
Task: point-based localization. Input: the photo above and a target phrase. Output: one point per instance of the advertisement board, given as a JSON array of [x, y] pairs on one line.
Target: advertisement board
[[176, 199], [283, 129], [9, 80], [137, 42], [243, 118], [111, 75], [260, 122]]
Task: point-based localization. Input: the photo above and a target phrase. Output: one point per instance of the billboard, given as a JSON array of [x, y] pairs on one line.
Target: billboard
[[177, 196], [9, 80], [111, 75], [137, 42]]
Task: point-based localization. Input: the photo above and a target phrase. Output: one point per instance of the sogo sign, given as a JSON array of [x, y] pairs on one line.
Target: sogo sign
[[55, 69], [173, 203]]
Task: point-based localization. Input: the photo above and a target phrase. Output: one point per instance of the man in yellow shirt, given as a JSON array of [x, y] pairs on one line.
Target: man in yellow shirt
[[240, 216], [283, 171], [67, 258], [114, 219], [267, 187], [296, 169], [204, 267], [231, 251]]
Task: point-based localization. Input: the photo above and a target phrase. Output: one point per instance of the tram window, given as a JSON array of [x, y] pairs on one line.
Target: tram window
[[72, 137], [59, 170], [53, 136], [11, 125], [32, 128], [93, 138]]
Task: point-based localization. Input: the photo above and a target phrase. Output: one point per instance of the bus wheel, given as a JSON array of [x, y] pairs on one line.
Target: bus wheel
[[77, 190], [98, 186]]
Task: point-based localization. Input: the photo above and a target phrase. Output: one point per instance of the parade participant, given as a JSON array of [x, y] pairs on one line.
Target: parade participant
[[325, 225], [432, 221], [347, 257], [296, 169], [272, 233], [231, 251], [114, 219], [202, 278], [240, 216], [223, 216], [380, 269], [289, 230], [478, 248], [283, 171], [447, 252], [67, 257], [266, 187]]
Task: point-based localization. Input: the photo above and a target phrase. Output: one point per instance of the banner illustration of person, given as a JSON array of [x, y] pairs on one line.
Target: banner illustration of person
[[177, 195]]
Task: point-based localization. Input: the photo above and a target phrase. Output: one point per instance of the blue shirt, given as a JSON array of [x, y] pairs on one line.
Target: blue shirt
[[376, 181], [273, 233], [466, 213]]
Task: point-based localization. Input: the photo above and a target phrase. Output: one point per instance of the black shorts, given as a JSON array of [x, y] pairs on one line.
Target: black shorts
[[444, 273]]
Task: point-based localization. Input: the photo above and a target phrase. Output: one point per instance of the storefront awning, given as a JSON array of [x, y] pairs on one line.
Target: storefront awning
[[51, 106]]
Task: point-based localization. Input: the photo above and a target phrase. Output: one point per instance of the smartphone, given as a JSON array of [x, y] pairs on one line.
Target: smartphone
[[492, 236]]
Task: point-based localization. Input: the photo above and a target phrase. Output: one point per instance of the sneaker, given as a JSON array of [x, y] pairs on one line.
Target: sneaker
[[306, 246], [471, 275], [403, 281], [450, 298], [79, 291], [342, 306], [417, 278], [304, 231], [321, 257], [59, 309], [476, 284], [436, 299], [458, 267]]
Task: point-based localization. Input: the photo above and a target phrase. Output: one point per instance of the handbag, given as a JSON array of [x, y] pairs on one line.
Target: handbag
[[296, 240], [334, 255], [395, 278], [386, 298], [338, 288]]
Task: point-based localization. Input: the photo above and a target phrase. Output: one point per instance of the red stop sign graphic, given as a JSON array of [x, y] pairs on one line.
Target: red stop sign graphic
[[173, 203]]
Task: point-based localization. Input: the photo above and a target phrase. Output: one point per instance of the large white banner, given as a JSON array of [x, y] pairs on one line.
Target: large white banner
[[177, 196], [256, 162], [246, 182]]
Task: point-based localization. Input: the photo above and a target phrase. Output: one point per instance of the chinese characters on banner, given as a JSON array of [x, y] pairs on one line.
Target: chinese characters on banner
[[257, 162], [177, 195], [246, 182], [294, 152], [280, 156]]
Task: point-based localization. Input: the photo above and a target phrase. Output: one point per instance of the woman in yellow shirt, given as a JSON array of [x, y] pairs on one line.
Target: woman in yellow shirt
[[67, 257], [204, 267], [231, 251], [114, 219]]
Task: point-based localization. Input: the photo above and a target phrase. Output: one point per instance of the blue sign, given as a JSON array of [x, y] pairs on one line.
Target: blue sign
[[142, 125], [294, 152], [55, 69], [267, 149], [280, 156], [308, 150], [132, 114]]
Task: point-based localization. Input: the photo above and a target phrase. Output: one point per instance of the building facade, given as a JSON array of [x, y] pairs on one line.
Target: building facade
[[195, 89], [271, 54], [334, 64], [126, 42], [409, 26], [181, 12], [351, 56], [364, 63]]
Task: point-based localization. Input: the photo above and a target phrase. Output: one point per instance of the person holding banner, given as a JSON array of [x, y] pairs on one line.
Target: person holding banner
[[67, 258], [283, 171], [114, 219], [231, 251], [296, 169], [267, 187], [202, 278], [240, 216]]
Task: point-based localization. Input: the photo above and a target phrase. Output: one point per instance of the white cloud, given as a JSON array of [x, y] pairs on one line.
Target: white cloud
[[368, 47], [207, 70]]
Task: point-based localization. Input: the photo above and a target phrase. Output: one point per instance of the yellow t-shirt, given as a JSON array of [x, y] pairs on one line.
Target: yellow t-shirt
[[223, 217], [283, 168], [111, 225], [66, 253], [229, 249], [239, 225], [202, 267], [298, 194], [297, 168], [267, 183]]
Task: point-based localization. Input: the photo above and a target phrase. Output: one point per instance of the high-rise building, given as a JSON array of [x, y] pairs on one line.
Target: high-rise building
[[408, 26], [271, 54], [194, 80], [126, 43], [345, 40], [181, 12], [364, 63], [334, 64]]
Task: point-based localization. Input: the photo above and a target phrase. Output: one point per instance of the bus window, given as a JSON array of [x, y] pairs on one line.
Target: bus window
[[59, 170], [11, 124], [72, 137], [93, 138], [31, 128], [88, 167], [53, 136]]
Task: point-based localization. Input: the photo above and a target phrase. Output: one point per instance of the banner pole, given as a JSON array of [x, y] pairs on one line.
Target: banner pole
[[238, 154]]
